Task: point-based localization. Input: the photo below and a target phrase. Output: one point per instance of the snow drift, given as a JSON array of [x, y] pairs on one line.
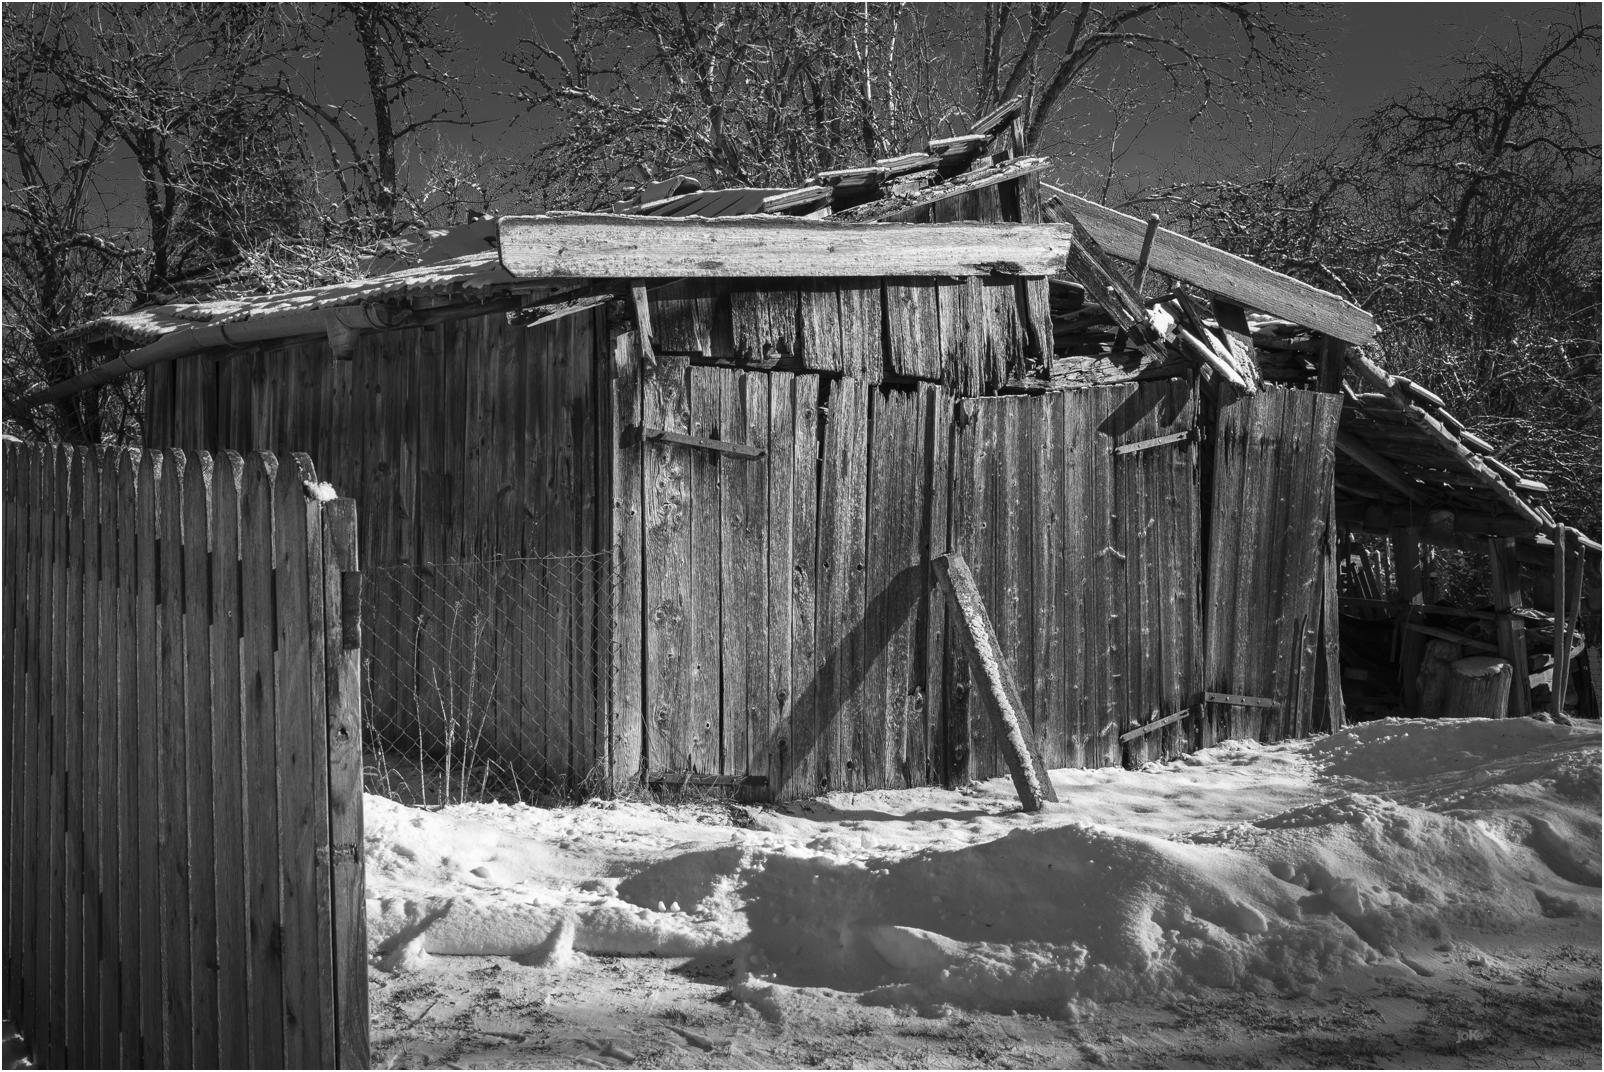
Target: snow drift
[[1378, 843]]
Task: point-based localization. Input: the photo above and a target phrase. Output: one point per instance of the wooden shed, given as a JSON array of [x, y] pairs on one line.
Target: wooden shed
[[755, 417]]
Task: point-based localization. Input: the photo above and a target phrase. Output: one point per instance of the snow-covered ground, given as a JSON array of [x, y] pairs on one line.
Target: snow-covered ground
[[1405, 893]]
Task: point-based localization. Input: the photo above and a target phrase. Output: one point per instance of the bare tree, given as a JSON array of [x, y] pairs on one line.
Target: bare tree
[[1467, 219], [769, 94]]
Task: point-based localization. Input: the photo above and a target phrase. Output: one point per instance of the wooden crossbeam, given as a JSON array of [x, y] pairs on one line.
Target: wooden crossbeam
[[606, 246]]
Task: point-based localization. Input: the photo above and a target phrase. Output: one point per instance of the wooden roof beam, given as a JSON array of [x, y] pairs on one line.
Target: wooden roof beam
[[605, 246], [1222, 273]]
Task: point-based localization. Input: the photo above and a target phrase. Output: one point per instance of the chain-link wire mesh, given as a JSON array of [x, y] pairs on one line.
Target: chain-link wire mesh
[[487, 680]]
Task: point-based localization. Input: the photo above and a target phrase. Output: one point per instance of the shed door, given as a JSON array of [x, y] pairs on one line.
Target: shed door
[[1270, 510], [1078, 513], [716, 682]]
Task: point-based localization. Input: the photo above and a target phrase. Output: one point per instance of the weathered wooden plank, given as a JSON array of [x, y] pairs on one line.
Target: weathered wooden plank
[[604, 246], [820, 314], [227, 756], [980, 548], [681, 317], [128, 789], [173, 837], [893, 500], [802, 759], [771, 742], [92, 669], [743, 584], [667, 571], [12, 674], [1222, 273], [628, 462], [193, 499], [1072, 537], [764, 324], [913, 329], [861, 318], [302, 761], [936, 413], [1045, 484], [703, 713], [348, 902], [841, 642], [32, 844], [260, 709], [999, 693]]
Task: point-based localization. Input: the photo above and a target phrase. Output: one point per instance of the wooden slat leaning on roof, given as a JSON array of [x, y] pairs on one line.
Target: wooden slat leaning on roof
[[599, 246], [1222, 273]]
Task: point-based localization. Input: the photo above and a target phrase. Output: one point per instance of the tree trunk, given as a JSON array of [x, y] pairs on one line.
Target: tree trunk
[[1478, 687]]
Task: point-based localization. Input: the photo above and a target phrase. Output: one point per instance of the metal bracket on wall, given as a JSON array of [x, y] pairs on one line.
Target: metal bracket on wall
[[1149, 444], [739, 450]]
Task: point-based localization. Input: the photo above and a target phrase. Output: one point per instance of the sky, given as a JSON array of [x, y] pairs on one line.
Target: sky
[[1373, 51]]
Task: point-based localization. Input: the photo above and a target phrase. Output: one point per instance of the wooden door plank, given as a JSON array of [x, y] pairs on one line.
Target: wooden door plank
[[936, 413], [1047, 547], [703, 730], [771, 734], [667, 572], [802, 759], [628, 460], [841, 645]]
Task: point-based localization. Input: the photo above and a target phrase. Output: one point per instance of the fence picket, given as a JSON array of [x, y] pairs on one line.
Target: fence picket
[[344, 684], [107, 667], [173, 755], [70, 763], [302, 764], [11, 741], [228, 822], [57, 891], [37, 606], [196, 493], [89, 756], [128, 780], [266, 1024]]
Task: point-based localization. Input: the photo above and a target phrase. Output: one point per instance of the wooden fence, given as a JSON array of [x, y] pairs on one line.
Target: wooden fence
[[182, 755]]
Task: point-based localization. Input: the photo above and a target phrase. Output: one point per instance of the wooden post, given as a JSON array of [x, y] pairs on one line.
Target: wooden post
[[1407, 570], [1333, 359], [1562, 640], [995, 682], [1505, 586]]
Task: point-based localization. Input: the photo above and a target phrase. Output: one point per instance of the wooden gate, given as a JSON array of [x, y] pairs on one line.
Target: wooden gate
[[1270, 524], [183, 883], [1078, 513]]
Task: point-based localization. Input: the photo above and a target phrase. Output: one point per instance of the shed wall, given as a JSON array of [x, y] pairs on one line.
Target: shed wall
[[470, 440]]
